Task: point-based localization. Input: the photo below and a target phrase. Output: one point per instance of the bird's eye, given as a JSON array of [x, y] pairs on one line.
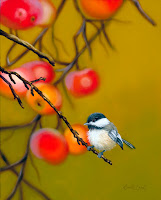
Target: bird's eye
[[94, 120]]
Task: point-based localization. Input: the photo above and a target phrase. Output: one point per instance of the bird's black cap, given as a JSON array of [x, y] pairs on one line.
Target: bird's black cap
[[95, 117]]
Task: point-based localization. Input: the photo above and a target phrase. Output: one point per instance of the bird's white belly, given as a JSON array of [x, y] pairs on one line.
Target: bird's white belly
[[101, 140]]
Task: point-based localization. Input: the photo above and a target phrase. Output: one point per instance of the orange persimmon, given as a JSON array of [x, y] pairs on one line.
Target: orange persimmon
[[74, 147]]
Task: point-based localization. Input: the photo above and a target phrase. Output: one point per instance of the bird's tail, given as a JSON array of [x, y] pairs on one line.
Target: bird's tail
[[128, 144]]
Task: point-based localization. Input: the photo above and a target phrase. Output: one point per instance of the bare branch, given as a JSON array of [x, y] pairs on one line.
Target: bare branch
[[100, 38], [20, 176], [27, 45], [24, 159], [39, 79], [8, 167], [143, 13], [11, 87], [34, 166], [19, 126], [106, 36], [40, 192], [21, 192], [70, 66], [61, 6], [56, 60], [38, 38], [13, 91]]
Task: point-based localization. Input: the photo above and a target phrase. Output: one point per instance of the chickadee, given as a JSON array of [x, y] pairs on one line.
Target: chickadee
[[103, 134]]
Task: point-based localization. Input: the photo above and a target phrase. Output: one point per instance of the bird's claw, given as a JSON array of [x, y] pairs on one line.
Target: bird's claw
[[89, 148], [100, 154]]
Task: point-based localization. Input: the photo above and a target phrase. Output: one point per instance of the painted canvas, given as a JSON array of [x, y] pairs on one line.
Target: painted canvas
[[80, 99]]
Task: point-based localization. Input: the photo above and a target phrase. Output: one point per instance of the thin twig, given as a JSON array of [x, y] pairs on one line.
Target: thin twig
[[21, 192], [70, 66], [143, 13], [61, 6], [8, 137], [20, 176], [27, 45], [40, 192], [100, 39], [66, 94], [12, 47], [77, 8], [10, 63], [106, 36], [13, 91], [8, 167], [82, 30], [56, 60], [34, 166], [39, 79], [19, 126], [40, 124]]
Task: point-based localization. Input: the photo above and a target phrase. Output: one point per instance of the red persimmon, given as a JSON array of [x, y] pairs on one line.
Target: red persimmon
[[41, 69], [50, 145], [82, 83], [20, 14]]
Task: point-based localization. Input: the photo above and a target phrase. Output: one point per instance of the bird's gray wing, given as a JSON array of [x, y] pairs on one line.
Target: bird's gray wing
[[114, 135]]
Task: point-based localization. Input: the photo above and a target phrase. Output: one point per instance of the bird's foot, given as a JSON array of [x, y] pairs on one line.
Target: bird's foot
[[100, 154], [89, 148]]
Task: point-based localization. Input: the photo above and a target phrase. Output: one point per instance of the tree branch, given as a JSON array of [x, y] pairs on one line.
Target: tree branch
[[23, 161], [143, 13], [18, 126], [37, 40], [13, 91], [34, 88], [24, 180], [28, 46]]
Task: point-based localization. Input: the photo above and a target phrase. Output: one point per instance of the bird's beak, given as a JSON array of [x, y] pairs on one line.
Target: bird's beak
[[86, 124]]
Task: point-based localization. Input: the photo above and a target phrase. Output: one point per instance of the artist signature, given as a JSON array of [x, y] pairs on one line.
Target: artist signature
[[135, 187]]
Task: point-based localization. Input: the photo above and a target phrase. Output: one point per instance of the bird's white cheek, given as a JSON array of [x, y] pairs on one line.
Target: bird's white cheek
[[101, 122], [100, 140]]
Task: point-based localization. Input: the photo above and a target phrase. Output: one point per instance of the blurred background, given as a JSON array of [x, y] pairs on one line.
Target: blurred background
[[129, 95]]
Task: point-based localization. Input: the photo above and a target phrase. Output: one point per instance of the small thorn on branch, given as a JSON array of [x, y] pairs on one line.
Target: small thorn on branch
[[39, 79], [10, 76], [32, 91]]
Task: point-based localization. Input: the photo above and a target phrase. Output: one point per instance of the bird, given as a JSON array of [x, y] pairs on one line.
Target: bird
[[103, 134]]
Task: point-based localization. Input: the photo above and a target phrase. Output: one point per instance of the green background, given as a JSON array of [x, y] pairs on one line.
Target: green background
[[129, 95]]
